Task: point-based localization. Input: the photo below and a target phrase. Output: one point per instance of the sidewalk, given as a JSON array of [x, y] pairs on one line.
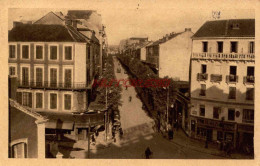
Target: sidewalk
[[181, 139]]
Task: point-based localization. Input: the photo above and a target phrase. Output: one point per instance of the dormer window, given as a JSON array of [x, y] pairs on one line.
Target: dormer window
[[235, 26]]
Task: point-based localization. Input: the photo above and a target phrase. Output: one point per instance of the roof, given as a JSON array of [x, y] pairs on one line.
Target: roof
[[163, 40], [225, 28], [45, 33], [80, 14], [139, 38]]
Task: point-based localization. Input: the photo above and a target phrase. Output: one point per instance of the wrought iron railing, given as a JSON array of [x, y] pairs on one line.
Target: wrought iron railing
[[249, 79], [231, 78], [202, 76], [215, 77], [224, 56]]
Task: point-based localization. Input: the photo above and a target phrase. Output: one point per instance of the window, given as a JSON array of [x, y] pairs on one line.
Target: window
[[25, 51], [233, 70], [232, 93], [251, 47], [68, 77], [53, 101], [231, 114], [68, 53], [205, 46], [203, 90], [249, 93], [67, 102], [203, 69], [39, 76], [53, 53], [39, 100], [12, 71], [220, 47], [25, 76], [250, 71], [248, 115], [12, 51], [53, 77], [216, 111], [235, 26], [233, 48], [27, 99], [202, 110], [19, 150], [39, 52]]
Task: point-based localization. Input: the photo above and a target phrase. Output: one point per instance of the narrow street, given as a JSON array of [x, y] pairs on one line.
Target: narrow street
[[139, 133]]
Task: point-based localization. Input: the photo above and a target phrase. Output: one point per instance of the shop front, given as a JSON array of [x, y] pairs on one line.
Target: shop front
[[245, 138]]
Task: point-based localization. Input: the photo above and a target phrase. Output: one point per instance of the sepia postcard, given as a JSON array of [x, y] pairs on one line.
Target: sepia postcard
[[147, 80]]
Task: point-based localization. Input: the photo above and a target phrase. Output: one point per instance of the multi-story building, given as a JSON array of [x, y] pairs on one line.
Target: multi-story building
[[128, 45], [222, 81], [55, 68], [163, 54]]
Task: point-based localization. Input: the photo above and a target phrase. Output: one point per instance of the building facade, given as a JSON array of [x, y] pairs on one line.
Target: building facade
[[163, 54], [222, 82]]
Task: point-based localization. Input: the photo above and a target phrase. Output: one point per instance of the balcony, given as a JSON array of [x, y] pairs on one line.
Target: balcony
[[231, 78], [249, 80], [202, 76], [49, 85], [215, 77], [224, 56], [247, 121]]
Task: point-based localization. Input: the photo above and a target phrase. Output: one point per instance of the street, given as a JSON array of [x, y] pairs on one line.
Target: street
[[139, 133]]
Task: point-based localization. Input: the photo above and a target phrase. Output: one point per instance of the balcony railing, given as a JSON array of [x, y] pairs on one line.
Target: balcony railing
[[202, 76], [249, 80], [224, 56], [247, 121], [231, 78], [215, 77], [50, 85]]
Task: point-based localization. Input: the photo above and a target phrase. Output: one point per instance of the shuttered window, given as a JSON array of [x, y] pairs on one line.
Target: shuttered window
[[68, 53], [12, 51], [68, 78], [39, 100], [39, 77], [39, 52], [12, 71], [25, 52], [67, 102], [53, 101], [25, 76], [53, 53], [53, 76], [27, 99]]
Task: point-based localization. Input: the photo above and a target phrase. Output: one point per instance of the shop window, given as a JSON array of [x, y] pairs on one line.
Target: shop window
[[231, 114], [219, 135], [202, 110], [248, 116], [216, 111]]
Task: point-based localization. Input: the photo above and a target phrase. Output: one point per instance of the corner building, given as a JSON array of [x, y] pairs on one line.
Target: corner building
[[223, 81]]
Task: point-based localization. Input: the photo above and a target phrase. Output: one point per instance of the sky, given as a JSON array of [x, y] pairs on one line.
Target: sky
[[141, 22]]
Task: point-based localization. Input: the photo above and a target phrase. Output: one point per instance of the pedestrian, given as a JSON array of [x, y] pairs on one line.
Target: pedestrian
[[93, 139], [130, 98], [148, 153]]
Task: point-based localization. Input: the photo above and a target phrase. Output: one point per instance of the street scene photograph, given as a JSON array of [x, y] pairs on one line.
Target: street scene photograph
[[131, 84]]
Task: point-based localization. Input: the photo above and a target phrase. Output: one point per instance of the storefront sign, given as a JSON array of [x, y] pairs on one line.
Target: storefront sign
[[245, 128], [215, 124]]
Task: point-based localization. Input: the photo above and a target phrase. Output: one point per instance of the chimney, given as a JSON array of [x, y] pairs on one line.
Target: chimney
[[17, 23], [187, 29]]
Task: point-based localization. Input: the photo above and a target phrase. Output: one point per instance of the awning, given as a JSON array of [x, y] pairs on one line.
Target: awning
[[59, 125]]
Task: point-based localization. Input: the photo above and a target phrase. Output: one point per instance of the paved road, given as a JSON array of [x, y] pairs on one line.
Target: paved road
[[139, 134]]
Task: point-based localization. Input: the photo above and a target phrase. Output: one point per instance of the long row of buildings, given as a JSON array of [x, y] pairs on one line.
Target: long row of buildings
[[218, 61], [55, 61]]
